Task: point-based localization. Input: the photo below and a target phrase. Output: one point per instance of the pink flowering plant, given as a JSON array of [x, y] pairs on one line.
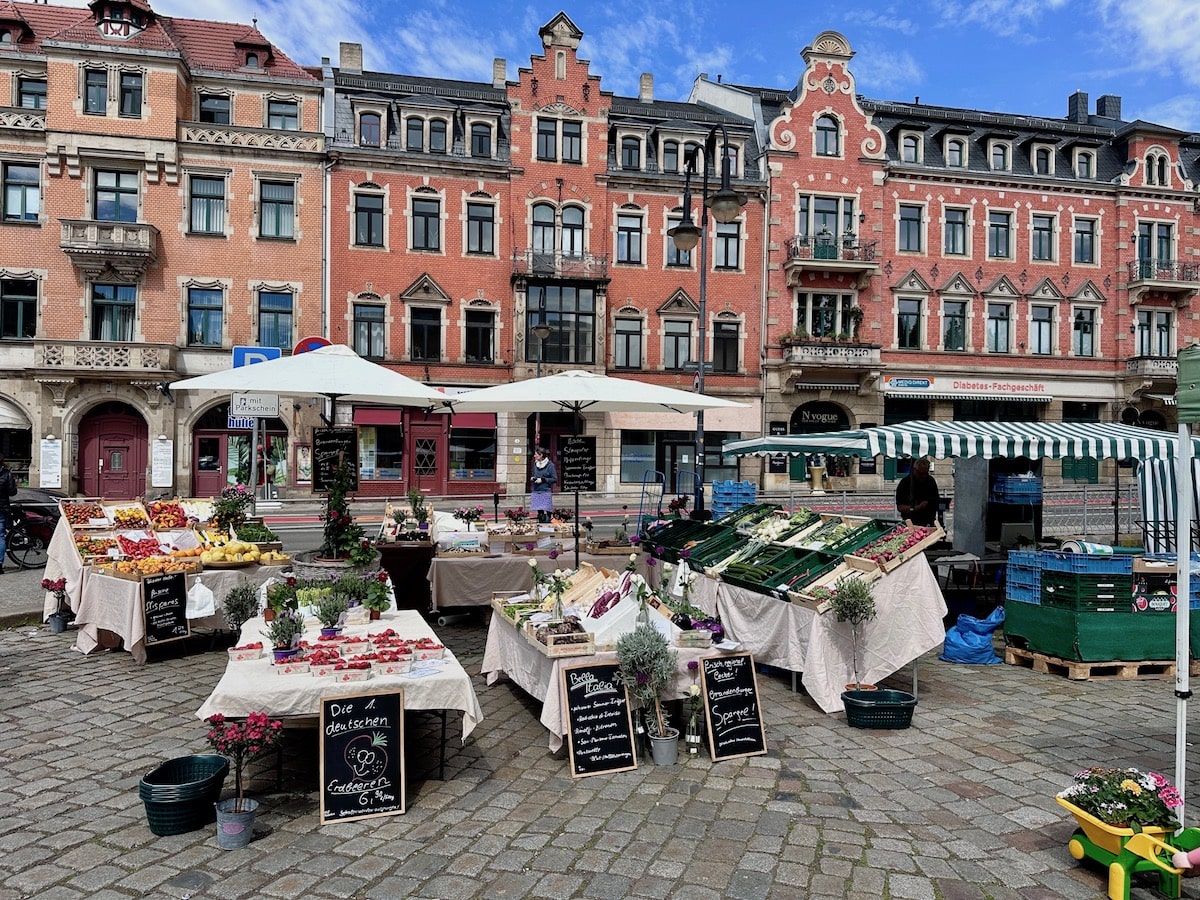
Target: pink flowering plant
[[1122, 797], [229, 509], [469, 514], [242, 742]]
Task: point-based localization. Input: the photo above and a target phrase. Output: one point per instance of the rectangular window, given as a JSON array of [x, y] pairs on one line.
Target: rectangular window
[[95, 92], [368, 330], [368, 220], [275, 319], [415, 134], [629, 239], [908, 324], [675, 256], [910, 228], [1083, 333], [204, 317], [113, 310], [570, 311], [547, 140], [956, 232], [954, 325], [437, 135], [725, 347], [631, 153], [729, 245], [131, 94], [207, 206], [427, 224], [214, 109], [426, 334], [481, 140], [18, 308], [481, 330], [637, 455], [1041, 330], [999, 233], [277, 213], [31, 93], [472, 454], [116, 196], [998, 337], [283, 114], [823, 218], [824, 315], [670, 156], [1043, 238], [627, 344], [677, 344], [1154, 333], [22, 193], [1085, 241], [481, 229], [381, 452], [572, 142]]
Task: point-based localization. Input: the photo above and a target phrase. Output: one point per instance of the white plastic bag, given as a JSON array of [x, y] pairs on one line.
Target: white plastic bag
[[200, 601]]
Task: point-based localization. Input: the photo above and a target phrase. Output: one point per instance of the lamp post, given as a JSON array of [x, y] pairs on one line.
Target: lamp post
[[541, 331], [726, 205]]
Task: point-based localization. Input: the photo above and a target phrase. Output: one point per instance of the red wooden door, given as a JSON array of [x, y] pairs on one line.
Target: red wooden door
[[113, 452], [427, 457]]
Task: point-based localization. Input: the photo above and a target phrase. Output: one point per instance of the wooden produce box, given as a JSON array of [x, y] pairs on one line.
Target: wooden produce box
[[604, 548], [459, 554], [935, 534], [88, 544], [500, 601], [581, 643], [75, 510], [127, 515]]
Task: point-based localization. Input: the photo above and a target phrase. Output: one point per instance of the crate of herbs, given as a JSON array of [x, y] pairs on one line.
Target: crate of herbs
[[732, 551], [783, 526], [745, 517], [829, 531], [861, 533]]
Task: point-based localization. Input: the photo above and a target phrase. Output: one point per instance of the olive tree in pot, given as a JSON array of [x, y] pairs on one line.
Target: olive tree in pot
[[647, 667], [853, 601]]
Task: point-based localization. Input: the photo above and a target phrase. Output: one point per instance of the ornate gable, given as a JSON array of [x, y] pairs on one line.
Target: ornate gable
[[1089, 293], [1046, 290], [958, 284], [678, 303], [560, 32], [425, 290], [1002, 287], [912, 282]]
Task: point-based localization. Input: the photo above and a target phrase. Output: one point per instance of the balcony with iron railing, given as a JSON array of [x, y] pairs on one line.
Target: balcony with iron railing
[[1163, 271], [96, 246], [536, 264], [829, 253], [459, 151]]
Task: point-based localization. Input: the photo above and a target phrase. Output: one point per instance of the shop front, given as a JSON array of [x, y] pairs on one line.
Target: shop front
[[221, 448]]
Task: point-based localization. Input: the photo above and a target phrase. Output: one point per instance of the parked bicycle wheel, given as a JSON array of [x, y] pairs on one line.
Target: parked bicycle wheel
[[26, 550]]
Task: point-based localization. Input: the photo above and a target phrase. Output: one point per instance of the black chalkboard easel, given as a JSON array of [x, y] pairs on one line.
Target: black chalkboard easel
[[577, 463], [331, 446], [731, 709], [599, 723], [164, 607], [362, 756]]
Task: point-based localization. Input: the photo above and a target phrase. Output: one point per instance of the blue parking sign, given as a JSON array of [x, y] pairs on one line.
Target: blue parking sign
[[248, 356]]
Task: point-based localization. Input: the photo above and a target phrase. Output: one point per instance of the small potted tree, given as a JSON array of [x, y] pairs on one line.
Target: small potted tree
[[284, 634], [240, 605], [647, 668], [853, 601]]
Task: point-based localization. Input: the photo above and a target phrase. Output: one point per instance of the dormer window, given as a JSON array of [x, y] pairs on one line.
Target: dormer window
[[6, 37], [999, 157], [1043, 161], [368, 130], [956, 153], [1085, 164], [631, 153], [910, 149], [119, 20], [1156, 169], [252, 61]]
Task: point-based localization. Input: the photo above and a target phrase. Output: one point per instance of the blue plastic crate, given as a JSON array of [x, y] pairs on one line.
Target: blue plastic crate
[[1086, 563], [1021, 594], [1024, 577], [1030, 559]]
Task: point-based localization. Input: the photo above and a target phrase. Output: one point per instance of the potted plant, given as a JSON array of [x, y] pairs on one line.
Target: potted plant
[[240, 605], [647, 668], [378, 599], [469, 515], [330, 610], [853, 601], [281, 595], [420, 512], [284, 634], [62, 611], [240, 743], [343, 537], [229, 509], [1111, 805], [855, 314]]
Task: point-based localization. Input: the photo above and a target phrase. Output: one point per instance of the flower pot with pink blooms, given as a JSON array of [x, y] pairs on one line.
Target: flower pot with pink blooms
[[240, 743]]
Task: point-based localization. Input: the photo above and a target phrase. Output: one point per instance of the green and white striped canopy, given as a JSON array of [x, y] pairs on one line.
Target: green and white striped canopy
[[1035, 440]]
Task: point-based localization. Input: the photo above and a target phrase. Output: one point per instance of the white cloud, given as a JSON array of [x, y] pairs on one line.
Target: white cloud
[[888, 19], [1163, 36], [1006, 18], [1182, 112], [879, 71]]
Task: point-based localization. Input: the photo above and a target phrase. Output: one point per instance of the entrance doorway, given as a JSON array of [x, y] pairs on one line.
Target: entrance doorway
[[428, 454], [113, 441], [679, 465], [221, 457]]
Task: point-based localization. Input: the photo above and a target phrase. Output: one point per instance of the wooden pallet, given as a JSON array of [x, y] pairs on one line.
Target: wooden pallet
[[1112, 670]]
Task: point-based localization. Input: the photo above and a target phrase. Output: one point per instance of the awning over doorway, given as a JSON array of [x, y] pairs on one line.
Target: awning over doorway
[[12, 416]]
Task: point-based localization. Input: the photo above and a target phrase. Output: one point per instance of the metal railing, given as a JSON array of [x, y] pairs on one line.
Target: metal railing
[[1163, 270], [559, 265], [831, 247]]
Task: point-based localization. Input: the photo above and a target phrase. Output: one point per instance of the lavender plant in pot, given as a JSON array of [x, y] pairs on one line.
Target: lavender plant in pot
[[647, 668]]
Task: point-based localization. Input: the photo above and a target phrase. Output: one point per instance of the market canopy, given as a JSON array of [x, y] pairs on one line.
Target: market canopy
[[1035, 440]]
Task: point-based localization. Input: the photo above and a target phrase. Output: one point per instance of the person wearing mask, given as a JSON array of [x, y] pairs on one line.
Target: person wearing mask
[[8, 490], [917, 496], [541, 485]]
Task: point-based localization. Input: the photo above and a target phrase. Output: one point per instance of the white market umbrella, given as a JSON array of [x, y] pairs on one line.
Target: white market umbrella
[[336, 372]]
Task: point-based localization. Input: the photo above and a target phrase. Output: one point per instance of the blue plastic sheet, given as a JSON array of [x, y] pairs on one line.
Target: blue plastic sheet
[[970, 640]]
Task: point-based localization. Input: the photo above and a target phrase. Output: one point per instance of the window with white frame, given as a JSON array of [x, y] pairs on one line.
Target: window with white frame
[[572, 232], [909, 228], [728, 245], [908, 323], [954, 325], [627, 343], [481, 228], [828, 137], [22, 192], [677, 344], [1041, 330], [206, 205], [369, 330], [999, 234], [824, 314], [999, 325], [1041, 238], [910, 148], [956, 153], [629, 238], [1085, 241], [1154, 332], [1083, 332], [954, 234]]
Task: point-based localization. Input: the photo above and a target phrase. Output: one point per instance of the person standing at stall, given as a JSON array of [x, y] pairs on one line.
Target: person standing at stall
[[541, 485], [8, 489], [917, 496]]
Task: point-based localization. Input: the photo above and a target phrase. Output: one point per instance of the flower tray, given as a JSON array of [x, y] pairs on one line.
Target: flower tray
[[879, 709]]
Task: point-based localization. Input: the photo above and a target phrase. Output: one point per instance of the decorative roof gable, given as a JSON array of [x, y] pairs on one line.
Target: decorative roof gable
[[680, 302], [1046, 290], [425, 290]]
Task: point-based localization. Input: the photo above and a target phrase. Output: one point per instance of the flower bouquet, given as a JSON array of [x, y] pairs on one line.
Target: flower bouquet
[[243, 742], [1123, 797], [469, 514], [679, 505]]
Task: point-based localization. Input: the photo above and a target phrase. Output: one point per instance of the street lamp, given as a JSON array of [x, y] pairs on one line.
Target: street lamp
[[541, 331], [726, 205]]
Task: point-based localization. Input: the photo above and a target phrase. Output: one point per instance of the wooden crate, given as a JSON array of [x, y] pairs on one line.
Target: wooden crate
[[80, 501], [603, 549], [459, 554], [559, 645]]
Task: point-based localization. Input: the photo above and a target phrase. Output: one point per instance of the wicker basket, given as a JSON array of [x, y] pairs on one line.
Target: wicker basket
[[308, 565], [180, 794], [879, 709]]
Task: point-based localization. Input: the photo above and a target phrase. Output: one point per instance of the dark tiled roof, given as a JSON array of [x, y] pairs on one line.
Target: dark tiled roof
[[416, 84]]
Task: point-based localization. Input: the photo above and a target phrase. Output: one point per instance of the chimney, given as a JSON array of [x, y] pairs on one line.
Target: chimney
[[646, 88], [499, 73], [349, 57], [1077, 108], [1108, 106]]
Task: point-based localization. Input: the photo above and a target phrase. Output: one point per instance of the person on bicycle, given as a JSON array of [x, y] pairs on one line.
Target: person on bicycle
[[8, 489]]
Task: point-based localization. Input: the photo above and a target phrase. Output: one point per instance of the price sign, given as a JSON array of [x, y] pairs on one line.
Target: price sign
[[164, 607], [362, 756], [577, 455], [330, 447], [599, 724], [731, 707]]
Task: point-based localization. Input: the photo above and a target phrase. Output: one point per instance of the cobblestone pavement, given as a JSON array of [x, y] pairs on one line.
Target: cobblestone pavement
[[959, 806]]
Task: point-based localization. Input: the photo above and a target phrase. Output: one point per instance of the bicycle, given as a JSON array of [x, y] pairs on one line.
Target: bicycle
[[28, 540]]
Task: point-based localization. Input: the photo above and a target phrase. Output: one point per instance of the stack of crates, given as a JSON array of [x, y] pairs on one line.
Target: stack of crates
[[730, 495], [1085, 581], [1023, 576], [1193, 584], [1020, 489]]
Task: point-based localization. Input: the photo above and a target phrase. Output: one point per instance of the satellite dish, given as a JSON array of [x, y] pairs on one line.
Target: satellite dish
[[1130, 415]]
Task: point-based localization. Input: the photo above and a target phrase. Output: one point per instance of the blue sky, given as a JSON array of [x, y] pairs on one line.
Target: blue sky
[[1020, 56]]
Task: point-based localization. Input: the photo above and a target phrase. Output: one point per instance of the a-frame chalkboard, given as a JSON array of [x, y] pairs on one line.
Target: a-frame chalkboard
[[731, 709], [599, 723], [164, 607], [362, 756]]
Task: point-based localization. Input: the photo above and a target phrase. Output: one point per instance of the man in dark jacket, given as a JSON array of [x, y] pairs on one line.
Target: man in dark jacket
[[8, 490], [917, 496]]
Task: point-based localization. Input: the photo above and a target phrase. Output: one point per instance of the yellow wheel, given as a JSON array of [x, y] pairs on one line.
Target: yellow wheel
[[1075, 848]]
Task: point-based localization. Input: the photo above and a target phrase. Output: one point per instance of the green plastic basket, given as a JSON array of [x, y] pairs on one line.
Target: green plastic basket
[[180, 794], [879, 709]]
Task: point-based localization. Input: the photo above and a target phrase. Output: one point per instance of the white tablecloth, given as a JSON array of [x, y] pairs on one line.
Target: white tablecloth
[[471, 580], [908, 623], [254, 686], [63, 562]]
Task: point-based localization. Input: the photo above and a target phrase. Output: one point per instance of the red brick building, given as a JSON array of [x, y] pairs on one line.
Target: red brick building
[[162, 204]]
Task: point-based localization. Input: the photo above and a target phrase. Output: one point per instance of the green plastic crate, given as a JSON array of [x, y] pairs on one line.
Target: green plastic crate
[[1087, 592], [1090, 636]]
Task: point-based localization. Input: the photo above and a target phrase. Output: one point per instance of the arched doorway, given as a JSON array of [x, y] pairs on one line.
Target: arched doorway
[[812, 418], [221, 457], [113, 441]]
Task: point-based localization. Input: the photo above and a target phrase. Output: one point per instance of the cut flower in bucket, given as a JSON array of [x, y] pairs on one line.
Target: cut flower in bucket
[[1122, 797]]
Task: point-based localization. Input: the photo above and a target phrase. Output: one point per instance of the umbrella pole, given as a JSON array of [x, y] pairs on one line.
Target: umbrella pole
[[1183, 560]]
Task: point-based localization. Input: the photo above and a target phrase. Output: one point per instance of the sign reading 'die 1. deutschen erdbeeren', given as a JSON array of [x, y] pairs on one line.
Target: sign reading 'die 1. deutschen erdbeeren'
[[362, 756]]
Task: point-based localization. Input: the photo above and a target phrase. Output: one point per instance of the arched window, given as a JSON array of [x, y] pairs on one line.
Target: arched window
[[543, 229], [1041, 161], [631, 153], [437, 135], [828, 137], [1083, 165], [572, 231], [910, 149], [694, 152], [956, 153], [1162, 170], [368, 130], [251, 60], [1000, 157], [416, 133], [731, 154]]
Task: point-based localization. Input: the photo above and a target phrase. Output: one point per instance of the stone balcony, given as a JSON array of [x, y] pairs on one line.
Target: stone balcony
[[843, 354], [104, 359], [252, 138], [22, 119], [1159, 368], [99, 248]]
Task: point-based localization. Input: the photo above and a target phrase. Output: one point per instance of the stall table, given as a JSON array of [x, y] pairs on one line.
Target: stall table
[[253, 686]]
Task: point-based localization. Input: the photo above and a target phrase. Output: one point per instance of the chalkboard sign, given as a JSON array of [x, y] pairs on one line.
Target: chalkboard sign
[[731, 708], [164, 607], [599, 724], [577, 464], [362, 756], [778, 463], [331, 446]]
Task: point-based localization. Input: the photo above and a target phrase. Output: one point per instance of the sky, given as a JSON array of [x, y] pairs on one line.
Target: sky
[[1016, 56]]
